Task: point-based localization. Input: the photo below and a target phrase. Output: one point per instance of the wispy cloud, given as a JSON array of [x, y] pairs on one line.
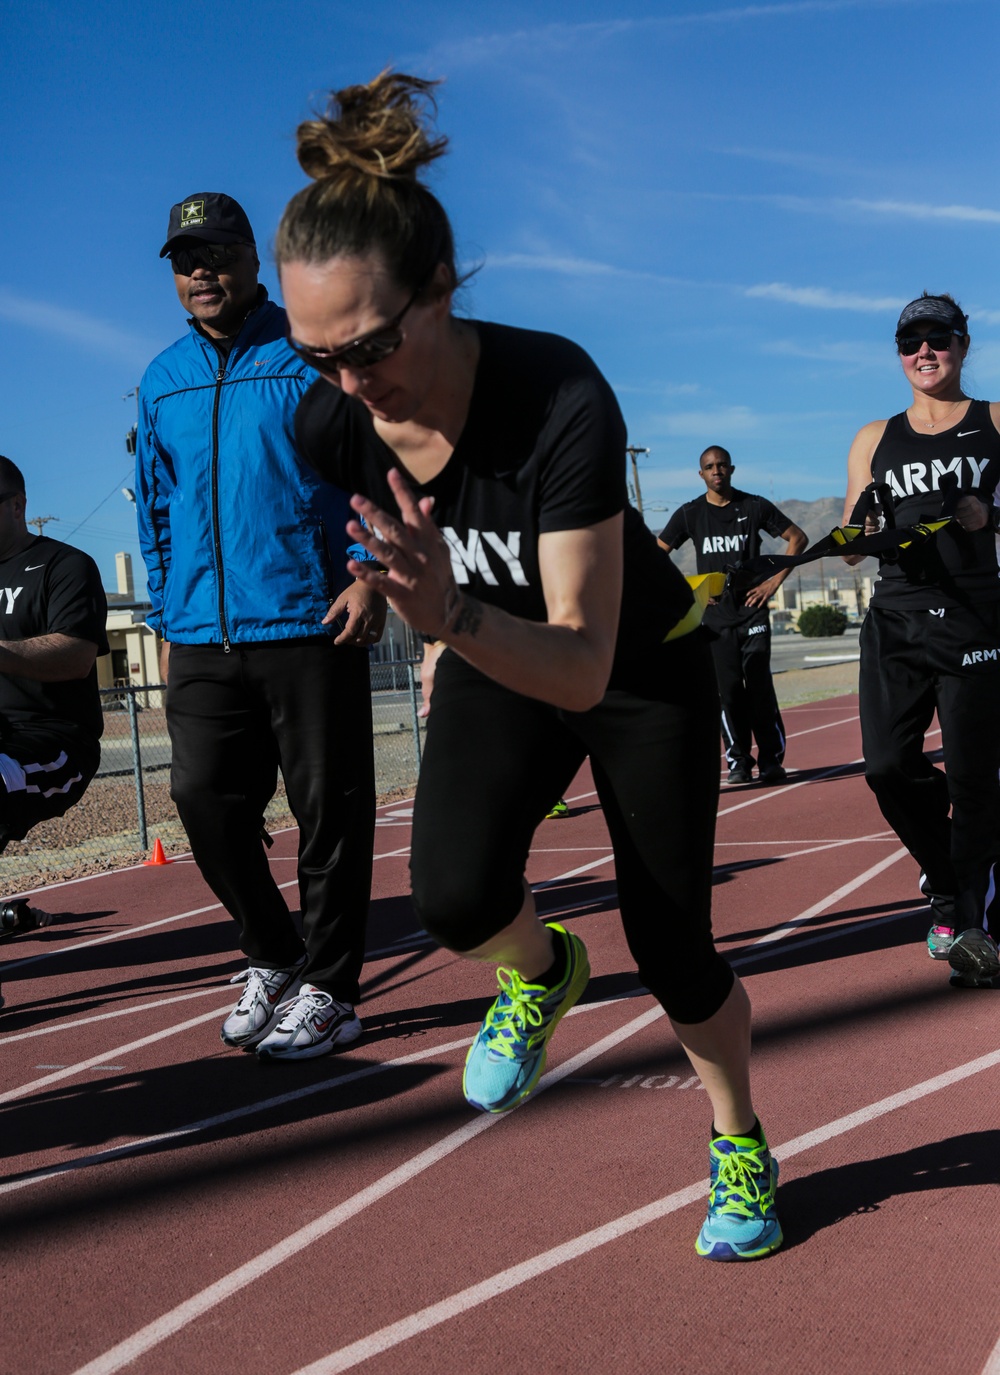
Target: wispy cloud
[[912, 210], [75, 327], [546, 38], [852, 205], [569, 266], [822, 298]]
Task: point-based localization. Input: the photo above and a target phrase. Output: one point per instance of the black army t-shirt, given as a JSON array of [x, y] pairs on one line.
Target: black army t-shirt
[[47, 589], [723, 537], [542, 450]]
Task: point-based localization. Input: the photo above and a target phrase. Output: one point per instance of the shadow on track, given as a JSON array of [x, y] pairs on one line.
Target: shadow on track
[[828, 1197]]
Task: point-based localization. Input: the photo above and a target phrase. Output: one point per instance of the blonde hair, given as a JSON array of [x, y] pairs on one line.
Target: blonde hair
[[365, 155]]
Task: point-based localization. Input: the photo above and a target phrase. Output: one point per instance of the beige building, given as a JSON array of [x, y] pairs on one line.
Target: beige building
[[134, 660], [848, 591]]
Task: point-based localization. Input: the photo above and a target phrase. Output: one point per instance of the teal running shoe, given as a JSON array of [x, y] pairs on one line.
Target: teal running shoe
[[742, 1223], [507, 1058], [939, 939]]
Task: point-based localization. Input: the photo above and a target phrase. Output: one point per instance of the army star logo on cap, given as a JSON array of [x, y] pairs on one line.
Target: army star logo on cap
[[193, 212]]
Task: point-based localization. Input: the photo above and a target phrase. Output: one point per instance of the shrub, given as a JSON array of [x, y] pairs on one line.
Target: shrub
[[822, 620]]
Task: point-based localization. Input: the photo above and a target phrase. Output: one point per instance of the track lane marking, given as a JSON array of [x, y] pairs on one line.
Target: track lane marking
[[128, 931], [263, 1105], [992, 1366], [185, 1313], [214, 991], [842, 892], [141, 1143], [156, 1332], [106, 1055], [432, 1316]]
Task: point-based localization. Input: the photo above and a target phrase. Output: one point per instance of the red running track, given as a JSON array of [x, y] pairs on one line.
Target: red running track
[[168, 1205]]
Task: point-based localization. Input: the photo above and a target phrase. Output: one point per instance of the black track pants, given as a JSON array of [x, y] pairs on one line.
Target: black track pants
[[742, 655], [496, 761], [913, 663], [234, 719]]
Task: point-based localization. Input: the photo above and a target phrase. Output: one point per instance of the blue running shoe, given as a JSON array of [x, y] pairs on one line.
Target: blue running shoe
[[506, 1059], [742, 1223]]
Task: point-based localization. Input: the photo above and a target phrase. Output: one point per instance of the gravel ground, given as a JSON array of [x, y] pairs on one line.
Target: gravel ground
[[800, 685], [101, 832]]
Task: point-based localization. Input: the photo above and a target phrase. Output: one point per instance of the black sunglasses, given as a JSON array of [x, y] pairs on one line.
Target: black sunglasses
[[211, 255], [364, 352], [938, 339]]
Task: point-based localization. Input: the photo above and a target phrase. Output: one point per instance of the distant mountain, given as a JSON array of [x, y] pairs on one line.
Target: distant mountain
[[816, 518]]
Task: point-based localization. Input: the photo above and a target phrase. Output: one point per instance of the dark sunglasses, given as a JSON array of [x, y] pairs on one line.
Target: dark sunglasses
[[364, 352], [939, 340], [211, 255]]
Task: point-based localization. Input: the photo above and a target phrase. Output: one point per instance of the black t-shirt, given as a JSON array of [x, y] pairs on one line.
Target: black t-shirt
[[51, 588], [725, 536], [542, 450], [955, 566]]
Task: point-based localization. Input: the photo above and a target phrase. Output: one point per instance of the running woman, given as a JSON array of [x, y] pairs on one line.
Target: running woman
[[931, 639], [492, 466]]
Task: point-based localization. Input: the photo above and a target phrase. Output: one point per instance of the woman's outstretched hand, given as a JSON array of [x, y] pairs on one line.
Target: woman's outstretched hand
[[417, 575]]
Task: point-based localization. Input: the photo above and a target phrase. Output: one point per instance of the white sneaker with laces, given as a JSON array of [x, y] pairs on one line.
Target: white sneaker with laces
[[313, 1023], [266, 991]]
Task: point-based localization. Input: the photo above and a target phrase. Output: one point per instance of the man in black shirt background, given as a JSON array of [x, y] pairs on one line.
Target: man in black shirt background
[[725, 525], [53, 614]]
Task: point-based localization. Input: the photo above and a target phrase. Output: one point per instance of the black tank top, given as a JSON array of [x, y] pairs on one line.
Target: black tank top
[[954, 567]]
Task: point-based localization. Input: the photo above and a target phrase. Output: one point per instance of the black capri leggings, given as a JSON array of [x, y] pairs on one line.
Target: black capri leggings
[[495, 763]]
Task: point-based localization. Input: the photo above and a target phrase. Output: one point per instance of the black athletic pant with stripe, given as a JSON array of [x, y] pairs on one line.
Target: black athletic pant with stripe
[[742, 655], [42, 774], [234, 719], [496, 761], [914, 663]]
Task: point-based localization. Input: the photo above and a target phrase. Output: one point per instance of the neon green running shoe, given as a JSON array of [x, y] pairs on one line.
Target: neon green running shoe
[[507, 1058], [558, 811], [742, 1223]]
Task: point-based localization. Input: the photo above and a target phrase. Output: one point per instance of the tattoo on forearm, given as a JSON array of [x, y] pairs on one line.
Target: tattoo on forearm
[[469, 618]]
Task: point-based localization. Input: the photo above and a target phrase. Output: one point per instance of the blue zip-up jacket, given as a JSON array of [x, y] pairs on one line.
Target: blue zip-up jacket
[[242, 541]]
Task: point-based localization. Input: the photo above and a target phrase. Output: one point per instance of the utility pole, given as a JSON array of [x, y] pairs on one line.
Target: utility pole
[[39, 521], [633, 452]]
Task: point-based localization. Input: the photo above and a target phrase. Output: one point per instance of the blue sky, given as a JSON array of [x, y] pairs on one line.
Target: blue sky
[[726, 205]]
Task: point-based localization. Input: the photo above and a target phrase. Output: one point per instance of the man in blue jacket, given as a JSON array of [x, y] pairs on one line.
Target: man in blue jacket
[[264, 636]]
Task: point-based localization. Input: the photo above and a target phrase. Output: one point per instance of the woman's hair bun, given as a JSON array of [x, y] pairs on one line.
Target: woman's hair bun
[[376, 130]]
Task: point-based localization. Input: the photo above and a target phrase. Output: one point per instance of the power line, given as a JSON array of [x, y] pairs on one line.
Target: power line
[[116, 488]]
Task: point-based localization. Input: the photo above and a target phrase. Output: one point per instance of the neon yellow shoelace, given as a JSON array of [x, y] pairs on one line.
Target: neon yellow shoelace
[[738, 1183], [510, 1017]]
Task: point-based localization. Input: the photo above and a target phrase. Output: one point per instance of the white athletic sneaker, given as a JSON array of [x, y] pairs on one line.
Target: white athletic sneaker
[[266, 992], [313, 1023]]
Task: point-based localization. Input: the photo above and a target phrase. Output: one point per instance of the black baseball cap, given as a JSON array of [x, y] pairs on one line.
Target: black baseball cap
[[208, 215]]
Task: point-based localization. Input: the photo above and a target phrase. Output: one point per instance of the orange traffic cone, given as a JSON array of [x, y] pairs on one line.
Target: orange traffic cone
[[158, 856]]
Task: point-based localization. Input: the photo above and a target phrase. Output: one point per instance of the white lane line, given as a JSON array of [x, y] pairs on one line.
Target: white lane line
[[128, 931], [213, 992], [105, 1055], [436, 1313], [842, 892], [992, 1366], [177, 1318], [803, 840], [771, 794], [826, 726], [264, 1104]]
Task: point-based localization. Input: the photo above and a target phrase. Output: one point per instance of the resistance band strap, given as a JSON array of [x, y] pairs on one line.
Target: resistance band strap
[[875, 500], [706, 587]]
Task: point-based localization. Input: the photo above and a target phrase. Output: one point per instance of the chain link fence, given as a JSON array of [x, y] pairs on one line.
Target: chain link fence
[[128, 805]]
